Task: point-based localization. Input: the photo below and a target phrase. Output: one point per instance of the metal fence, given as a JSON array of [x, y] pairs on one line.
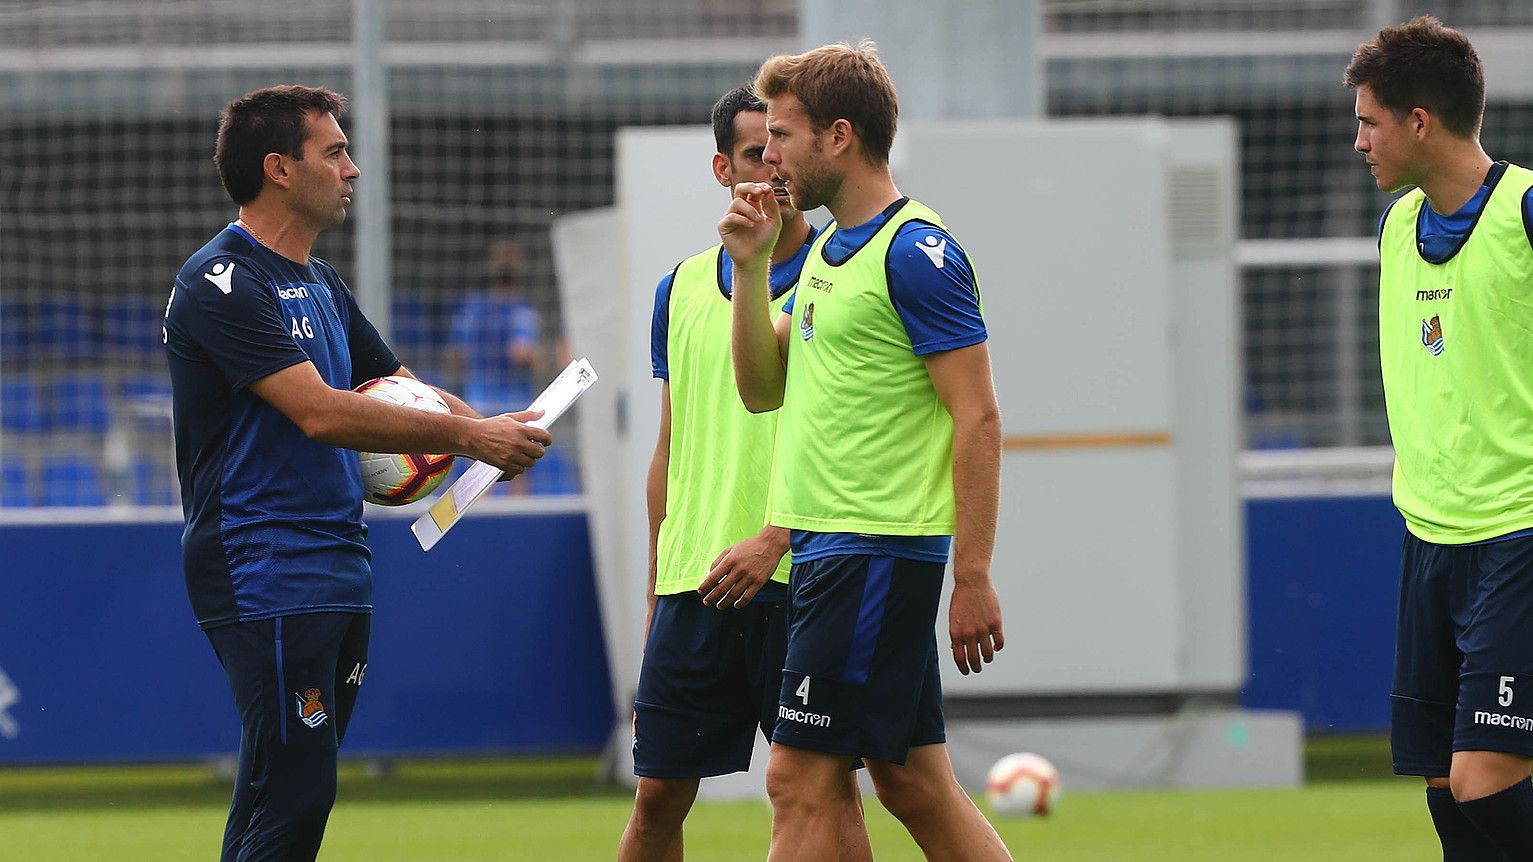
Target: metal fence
[[500, 117]]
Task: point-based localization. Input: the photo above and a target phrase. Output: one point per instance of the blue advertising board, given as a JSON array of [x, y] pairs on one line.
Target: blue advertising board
[[490, 643]]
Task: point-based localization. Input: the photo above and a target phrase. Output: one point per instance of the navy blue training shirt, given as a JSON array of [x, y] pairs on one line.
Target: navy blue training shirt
[[938, 306], [273, 519]]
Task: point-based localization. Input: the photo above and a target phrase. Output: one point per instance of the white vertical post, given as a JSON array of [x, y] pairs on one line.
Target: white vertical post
[[373, 282], [1349, 384]]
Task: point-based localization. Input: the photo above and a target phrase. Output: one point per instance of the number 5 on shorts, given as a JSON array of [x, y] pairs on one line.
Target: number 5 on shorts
[[1506, 690]]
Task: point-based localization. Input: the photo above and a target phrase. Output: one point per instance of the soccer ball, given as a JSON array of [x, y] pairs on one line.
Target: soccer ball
[[394, 480], [1022, 785]]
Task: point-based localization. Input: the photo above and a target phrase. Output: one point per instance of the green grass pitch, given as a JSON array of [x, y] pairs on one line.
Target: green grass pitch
[[549, 809]]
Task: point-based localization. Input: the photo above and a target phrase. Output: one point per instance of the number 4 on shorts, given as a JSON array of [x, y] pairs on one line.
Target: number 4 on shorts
[[803, 691]]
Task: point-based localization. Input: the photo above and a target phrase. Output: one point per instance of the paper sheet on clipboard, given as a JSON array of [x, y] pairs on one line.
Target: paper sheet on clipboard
[[429, 528]]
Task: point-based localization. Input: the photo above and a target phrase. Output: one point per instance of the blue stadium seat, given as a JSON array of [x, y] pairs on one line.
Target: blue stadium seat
[[131, 326], [555, 473], [143, 401], [13, 484], [152, 485], [80, 403], [66, 329], [144, 387], [1275, 438], [15, 331], [417, 326], [71, 480], [21, 406]]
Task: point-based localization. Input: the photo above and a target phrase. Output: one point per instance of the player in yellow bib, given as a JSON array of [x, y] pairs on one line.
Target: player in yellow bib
[[888, 454], [717, 625], [1455, 313]]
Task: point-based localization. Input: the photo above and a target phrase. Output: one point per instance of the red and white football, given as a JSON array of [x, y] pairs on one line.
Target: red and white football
[[1022, 785], [392, 479]]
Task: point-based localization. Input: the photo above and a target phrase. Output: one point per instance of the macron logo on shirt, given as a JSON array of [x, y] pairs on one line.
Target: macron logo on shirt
[[222, 277], [934, 250]]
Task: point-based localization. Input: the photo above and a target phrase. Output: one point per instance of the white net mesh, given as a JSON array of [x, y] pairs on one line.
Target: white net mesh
[[106, 129], [1309, 306], [502, 116]]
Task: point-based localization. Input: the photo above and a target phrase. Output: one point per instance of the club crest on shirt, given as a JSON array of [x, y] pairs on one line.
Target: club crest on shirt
[[310, 710], [1432, 335], [806, 326]]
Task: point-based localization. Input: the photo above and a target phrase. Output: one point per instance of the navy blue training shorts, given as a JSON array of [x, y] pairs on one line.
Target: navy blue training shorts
[[707, 685], [860, 677], [1463, 653]]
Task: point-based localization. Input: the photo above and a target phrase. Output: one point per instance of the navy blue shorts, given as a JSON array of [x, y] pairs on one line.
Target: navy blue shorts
[[295, 681], [1463, 653], [707, 685], [860, 677]]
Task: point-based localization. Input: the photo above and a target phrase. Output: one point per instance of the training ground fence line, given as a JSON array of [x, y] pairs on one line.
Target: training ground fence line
[[501, 118]]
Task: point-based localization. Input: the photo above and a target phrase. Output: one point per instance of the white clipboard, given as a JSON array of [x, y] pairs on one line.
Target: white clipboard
[[429, 528]]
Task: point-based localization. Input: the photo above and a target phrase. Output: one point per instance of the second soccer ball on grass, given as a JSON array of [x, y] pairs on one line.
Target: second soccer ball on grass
[[1022, 785]]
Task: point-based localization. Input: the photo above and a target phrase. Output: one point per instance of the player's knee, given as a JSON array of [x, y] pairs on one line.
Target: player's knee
[[663, 803], [781, 784], [802, 781], [791, 789], [1468, 787], [908, 794], [1477, 774]]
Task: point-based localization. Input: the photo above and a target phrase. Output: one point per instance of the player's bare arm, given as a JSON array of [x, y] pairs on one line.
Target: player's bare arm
[[963, 383], [742, 569], [457, 406], [347, 419], [655, 496], [749, 232]]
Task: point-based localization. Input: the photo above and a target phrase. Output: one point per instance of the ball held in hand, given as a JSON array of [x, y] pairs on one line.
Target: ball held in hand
[[396, 479]]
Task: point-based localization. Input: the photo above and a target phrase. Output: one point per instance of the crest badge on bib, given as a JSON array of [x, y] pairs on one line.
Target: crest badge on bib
[[1432, 335]]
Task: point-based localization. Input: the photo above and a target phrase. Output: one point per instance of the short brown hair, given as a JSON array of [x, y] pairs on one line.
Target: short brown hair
[[270, 120], [839, 81], [1423, 63]]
